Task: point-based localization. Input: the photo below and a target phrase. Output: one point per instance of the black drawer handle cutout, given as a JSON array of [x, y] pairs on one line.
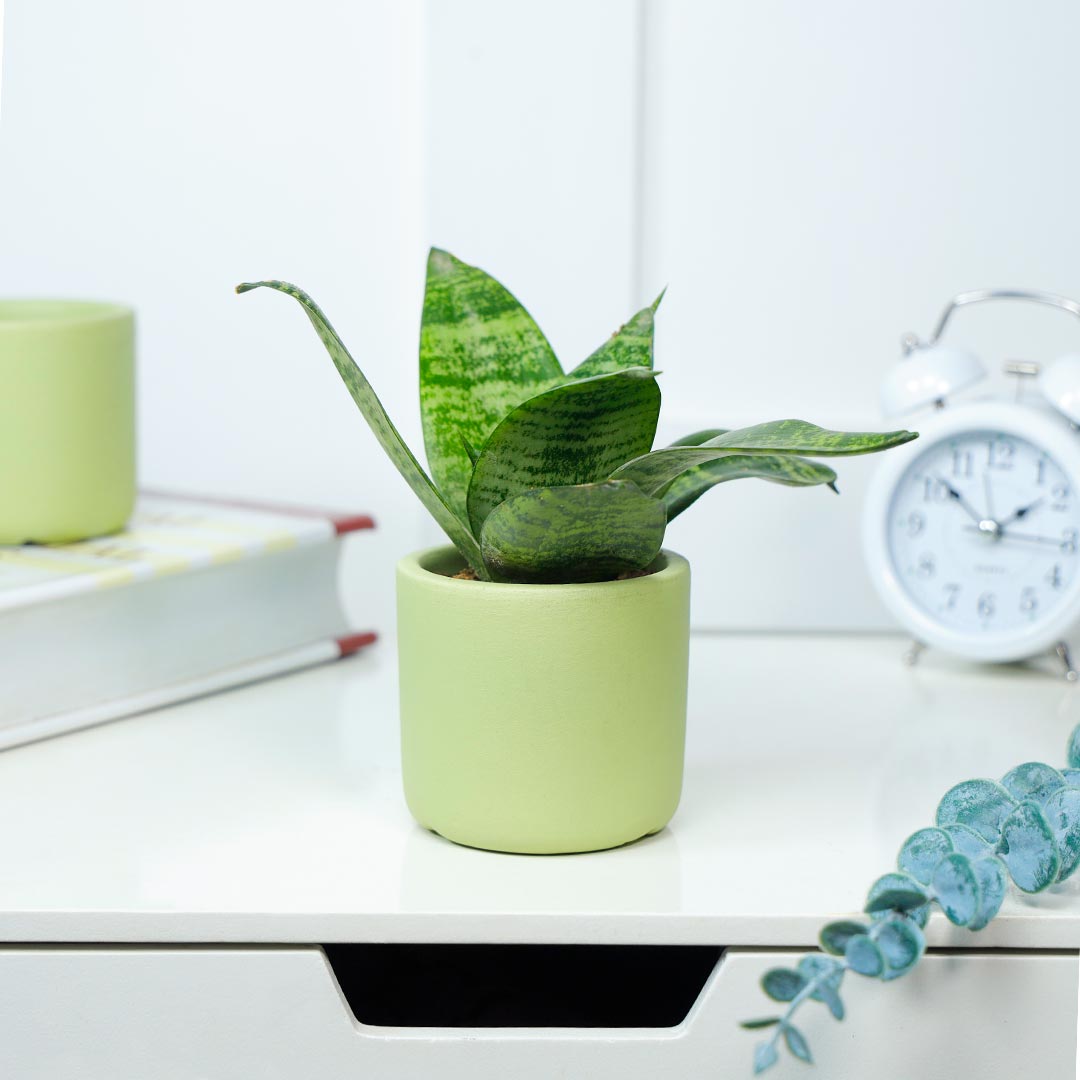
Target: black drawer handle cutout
[[532, 986]]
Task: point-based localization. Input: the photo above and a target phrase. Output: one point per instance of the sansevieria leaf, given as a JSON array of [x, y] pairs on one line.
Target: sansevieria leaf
[[654, 472], [481, 354], [777, 468], [374, 413], [576, 433], [787, 469], [588, 532], [630, 346]]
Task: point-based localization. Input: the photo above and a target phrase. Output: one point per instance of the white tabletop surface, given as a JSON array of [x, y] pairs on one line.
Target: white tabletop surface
[[274, 813]]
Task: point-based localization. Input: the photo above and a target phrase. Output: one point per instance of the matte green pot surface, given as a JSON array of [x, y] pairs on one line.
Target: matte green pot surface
[[542, 718], [67, 419]]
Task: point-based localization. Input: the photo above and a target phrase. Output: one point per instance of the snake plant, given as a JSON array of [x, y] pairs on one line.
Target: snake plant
[[1024, 828], [541, 475]]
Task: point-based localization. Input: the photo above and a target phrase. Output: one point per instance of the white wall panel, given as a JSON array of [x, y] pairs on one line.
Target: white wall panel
[[820, 178], [158, 154]]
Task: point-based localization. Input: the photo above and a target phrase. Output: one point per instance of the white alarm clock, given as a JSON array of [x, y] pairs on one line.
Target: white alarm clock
[[972, 531]]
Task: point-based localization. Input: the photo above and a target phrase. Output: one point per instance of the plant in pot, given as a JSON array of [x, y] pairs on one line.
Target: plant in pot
[[543, 657]]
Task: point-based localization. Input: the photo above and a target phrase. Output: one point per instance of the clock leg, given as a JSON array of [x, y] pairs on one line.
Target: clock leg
[[913, 652], [1063, 655]]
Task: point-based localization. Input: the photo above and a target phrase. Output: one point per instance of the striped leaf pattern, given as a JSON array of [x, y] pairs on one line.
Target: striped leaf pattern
[[791, 471], [655, 472], [481, 354], [576, 433], [588, 532], [380, 424], [630, 346]]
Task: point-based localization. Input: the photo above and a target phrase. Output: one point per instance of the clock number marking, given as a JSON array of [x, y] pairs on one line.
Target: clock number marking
[[1040, 471], [915, 523], [999, 454], [961, 463], [986, 605], [1060, 493], [1069, 538], [934, 490], [1053, 576], [925, 567], [951, 593]]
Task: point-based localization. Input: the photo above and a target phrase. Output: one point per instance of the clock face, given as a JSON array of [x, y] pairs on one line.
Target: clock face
[[983, 532]]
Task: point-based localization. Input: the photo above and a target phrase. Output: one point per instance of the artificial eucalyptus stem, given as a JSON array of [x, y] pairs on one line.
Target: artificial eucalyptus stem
[[1025, 828]]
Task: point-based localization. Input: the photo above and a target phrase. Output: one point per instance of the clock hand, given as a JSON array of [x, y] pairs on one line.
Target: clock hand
[[1023, 511], [957, 497], [1021, 536], [989, 496]]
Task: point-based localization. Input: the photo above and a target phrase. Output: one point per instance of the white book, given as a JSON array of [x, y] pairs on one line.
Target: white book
[[193, 596]]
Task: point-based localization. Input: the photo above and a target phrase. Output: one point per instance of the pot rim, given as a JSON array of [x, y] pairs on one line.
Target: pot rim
[[416, 565], [58, 313]]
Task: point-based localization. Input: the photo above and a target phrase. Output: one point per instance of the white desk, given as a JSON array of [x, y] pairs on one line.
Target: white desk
[[272, 816]]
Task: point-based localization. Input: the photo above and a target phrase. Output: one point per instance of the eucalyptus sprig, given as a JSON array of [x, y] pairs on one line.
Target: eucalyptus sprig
[[540, 475], [1025, 828]]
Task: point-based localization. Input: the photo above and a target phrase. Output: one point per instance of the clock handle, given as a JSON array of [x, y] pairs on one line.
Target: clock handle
[[1036, 296]]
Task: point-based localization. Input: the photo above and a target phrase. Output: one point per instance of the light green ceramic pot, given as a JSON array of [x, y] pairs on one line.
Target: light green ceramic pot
[[542, 718], [67, 419]]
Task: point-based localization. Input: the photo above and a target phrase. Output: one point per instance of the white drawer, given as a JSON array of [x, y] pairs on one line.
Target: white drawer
[[221, 1013]]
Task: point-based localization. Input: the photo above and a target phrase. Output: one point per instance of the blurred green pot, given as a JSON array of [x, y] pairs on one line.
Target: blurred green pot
[[67, 419], [542, 718]]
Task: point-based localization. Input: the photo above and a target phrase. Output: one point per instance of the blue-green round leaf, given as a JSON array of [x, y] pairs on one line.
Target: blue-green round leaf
[[1062, 813], [992, 877], [898, 892], [957, 888], [1029, 848], [980, 804], [1032, 780], [901, 943], [834, 936], [765, 1055], [922, 851], [1074, 748], [864, 957], [1071, 777], [968, 842], [782, 984], [797, 1043], [829, 972]]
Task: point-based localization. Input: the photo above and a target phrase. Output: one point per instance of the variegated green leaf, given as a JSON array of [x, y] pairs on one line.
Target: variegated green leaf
[[688, 487], [374, 413], [590, 532], [481, 354], [654, 472], [630, 346], [576, 433]]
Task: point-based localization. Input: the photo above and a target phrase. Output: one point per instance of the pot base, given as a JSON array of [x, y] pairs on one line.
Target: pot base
[[545, 851]]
